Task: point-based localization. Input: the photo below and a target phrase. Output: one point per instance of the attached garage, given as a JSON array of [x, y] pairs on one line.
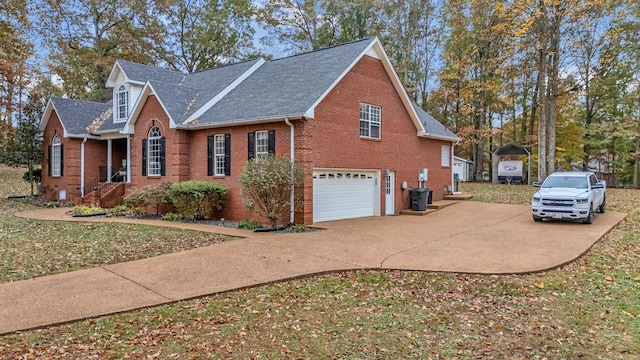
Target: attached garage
[[345, 194]]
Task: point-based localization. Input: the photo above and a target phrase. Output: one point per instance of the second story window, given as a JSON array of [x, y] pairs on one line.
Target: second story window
[[369, 121], [122, 104]]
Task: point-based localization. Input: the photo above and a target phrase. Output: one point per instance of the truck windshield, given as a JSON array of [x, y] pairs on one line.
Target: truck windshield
[[565, 182]]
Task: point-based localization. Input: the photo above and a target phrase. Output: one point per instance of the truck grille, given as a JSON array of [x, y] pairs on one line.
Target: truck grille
[[557, 202]]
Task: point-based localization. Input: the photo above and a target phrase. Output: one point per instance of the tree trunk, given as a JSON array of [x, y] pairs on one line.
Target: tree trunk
[[553, 90], [542, 123], [542, 94], [636, 161]]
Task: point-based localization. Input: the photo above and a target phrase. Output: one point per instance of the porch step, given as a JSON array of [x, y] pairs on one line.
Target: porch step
[[435, 206], [458, 197], [417, 213]]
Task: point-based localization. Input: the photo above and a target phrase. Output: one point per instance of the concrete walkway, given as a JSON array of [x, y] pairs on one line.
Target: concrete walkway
[[468, 237]]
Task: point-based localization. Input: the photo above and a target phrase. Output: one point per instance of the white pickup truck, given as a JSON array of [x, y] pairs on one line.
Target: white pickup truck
[[569, 196]]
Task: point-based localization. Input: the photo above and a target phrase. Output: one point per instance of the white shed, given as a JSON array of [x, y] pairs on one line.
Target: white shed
[[463, 168]]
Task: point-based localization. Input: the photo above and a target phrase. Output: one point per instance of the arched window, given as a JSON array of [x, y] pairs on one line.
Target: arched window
[[56, 156], [154, 141], [122, 103]]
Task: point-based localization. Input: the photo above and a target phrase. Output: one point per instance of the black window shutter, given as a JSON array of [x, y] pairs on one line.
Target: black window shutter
[[163, 156], [209, 155], [272, 142], [227, 154], [49, 160], [61, 159], [252, 145], [144, 157]]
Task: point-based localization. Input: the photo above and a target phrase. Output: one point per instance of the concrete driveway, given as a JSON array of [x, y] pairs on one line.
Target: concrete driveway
[[467, 237]]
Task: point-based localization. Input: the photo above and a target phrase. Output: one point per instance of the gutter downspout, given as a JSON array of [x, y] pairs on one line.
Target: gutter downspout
[[453, 183], [292, 155], [82, 167]]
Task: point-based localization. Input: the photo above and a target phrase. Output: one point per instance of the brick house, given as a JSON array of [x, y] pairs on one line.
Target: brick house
[[341, 112]]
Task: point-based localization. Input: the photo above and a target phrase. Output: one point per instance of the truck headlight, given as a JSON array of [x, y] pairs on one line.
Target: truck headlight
[[582, 201], [536, 200]]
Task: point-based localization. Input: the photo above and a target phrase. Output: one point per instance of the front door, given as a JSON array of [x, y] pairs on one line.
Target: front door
[[390, 199]]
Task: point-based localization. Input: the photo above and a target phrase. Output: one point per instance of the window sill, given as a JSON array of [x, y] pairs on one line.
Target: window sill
[[369, 138]]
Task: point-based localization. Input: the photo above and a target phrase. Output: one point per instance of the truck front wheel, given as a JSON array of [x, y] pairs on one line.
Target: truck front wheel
[[603, 207], [589, 218]]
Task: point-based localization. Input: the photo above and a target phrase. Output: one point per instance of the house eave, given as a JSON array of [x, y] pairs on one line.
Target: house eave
[[82, 136], [260, 120], [425, 134]]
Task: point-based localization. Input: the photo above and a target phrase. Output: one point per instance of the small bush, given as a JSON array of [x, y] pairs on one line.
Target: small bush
[[37, 176], [123, 210], [249, 224], [297, 228], [196, 199], [172, 217], [148, 196], [52, 204], [267, 184], [87, 210]]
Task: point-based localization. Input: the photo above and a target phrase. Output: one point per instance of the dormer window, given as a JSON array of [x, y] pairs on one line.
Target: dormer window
[[122, 104]]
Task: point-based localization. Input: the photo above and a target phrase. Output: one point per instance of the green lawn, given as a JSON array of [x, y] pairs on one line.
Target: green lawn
[[589, 309]]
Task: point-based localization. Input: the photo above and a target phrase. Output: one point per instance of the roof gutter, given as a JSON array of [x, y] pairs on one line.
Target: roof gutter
[[292, 155], [438, 137], [82, 167]]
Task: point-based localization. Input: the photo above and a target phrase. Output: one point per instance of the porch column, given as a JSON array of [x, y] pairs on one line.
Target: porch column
[[128, 159], [109, 159]]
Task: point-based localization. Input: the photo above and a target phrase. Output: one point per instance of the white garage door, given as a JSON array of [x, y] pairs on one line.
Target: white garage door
[[343, 194]]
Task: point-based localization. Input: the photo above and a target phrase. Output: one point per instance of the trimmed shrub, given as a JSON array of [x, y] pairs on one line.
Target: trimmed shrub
[[87, 210], [122, 210], [37, 176], [195, 199], [154, 196], [249, 224], [266, 186], [172, 217], [297, 228]]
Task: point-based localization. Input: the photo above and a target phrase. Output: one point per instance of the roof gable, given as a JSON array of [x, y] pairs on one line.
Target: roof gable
[[287, 87], [194, 94], [139, 74], [76, 115], [258, 91], [432, 127]]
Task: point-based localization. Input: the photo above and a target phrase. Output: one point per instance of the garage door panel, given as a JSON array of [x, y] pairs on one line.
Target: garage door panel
[[343, 194]]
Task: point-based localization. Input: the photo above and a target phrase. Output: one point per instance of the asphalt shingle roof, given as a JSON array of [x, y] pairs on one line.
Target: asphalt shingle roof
[[77, 115], [142, 73], [287, 86], [431, 125], [284, 87]]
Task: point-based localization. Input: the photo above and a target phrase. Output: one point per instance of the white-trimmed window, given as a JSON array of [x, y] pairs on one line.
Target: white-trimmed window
[[446, 156], [155, 152], [219, 154], [262, 144], [369, 121], [122, 104], [56, 156]]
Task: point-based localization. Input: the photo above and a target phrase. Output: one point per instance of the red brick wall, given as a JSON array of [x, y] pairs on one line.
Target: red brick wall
[[70, 181], [186, 155], [235, 208], [330, 140]]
